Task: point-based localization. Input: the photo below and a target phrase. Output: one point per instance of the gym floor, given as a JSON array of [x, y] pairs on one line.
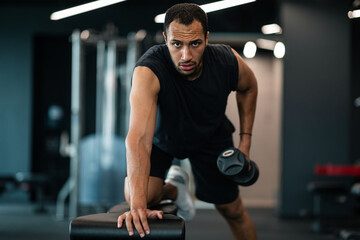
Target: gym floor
[[19, 221]]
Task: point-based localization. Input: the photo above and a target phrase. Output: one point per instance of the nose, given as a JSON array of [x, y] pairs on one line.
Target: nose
[[186, 54]]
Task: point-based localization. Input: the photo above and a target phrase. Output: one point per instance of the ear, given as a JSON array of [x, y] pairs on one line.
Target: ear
[[164, 34], [207, 38]]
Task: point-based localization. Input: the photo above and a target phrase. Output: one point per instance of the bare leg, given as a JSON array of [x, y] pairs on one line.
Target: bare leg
[[238, 220], [169, 192]]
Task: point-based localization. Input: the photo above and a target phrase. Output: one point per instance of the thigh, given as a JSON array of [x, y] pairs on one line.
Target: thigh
[[212, 186]]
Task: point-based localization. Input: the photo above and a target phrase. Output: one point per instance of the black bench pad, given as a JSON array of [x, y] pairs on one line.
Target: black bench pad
[[103, 226]]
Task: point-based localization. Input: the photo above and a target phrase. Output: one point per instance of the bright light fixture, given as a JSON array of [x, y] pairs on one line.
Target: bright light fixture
[[354, 14], [211, 7], [82, 8], [279, 50], [266, 44], [271, 29], [357, 102], [250, 49]]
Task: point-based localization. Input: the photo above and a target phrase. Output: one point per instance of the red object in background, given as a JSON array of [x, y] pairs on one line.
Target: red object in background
[[337, 170]]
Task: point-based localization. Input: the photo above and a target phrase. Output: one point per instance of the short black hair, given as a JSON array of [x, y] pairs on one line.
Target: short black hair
[[186, 13]]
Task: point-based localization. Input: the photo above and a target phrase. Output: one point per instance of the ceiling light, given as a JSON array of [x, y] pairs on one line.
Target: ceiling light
[[249, 49], [85, 34], [354, 14], [82, 8], [266, 44], [357, 102], [279, 50], [211, 7], [271, 29]]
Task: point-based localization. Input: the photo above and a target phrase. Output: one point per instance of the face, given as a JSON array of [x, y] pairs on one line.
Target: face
[[186, 45]]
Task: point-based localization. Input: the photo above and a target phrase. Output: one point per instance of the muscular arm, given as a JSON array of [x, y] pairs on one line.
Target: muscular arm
[[246, 95], [143, 107]]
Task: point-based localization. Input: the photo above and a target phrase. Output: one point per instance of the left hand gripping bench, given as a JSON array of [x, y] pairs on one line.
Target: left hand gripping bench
[[103, 226]]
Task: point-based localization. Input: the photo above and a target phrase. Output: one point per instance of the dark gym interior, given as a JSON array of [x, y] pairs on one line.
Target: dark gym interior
[[317, 168]]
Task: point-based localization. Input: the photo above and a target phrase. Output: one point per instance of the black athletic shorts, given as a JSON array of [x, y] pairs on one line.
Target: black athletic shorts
[[210, 185]]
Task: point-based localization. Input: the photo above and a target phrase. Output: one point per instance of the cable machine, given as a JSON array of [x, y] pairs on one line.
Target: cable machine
[[97, 159]]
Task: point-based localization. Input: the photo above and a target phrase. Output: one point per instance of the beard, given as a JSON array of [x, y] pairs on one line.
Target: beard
[[190, 75]]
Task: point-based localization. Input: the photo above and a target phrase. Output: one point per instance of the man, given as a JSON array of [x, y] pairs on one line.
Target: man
[[178, 99]]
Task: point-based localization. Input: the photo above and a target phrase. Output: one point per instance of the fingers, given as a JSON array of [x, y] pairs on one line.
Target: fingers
[[154, 214], [129, 225], [121, 219], [144, 223], [138, 219], [160, 214], [127, 217]]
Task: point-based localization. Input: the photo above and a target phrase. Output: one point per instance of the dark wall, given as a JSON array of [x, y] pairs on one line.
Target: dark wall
[[51, 85], [15, 100], [316, 97], [355, 91]]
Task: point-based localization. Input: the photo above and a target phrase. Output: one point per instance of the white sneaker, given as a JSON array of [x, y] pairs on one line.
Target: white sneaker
[[179, 178]]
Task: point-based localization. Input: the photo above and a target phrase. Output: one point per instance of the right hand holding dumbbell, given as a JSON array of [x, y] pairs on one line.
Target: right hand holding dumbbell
[[234, 164]]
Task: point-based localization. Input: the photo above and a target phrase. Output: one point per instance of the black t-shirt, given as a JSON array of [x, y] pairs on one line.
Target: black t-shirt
[[191, 112]]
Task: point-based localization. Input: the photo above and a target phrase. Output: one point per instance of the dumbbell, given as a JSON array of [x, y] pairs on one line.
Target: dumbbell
[[233, 163]]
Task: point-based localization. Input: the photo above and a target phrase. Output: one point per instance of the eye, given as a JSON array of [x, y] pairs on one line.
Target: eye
[[177, 44], [195, 44]]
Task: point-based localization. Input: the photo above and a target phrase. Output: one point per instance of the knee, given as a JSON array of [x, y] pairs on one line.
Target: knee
[[153, 198], [234, 211]]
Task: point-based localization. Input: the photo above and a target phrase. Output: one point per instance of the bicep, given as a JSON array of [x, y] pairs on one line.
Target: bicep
[[246, 77], [143, 104]]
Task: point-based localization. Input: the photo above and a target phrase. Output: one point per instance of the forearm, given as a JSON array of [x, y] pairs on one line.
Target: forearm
[[246, 101], [138, 169]]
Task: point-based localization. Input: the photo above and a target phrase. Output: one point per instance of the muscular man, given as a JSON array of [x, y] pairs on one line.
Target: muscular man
[[178, 99]]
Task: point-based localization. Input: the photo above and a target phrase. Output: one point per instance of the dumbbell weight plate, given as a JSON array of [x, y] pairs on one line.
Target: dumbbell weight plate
[[250, 178], [231, 162], [256, 175]]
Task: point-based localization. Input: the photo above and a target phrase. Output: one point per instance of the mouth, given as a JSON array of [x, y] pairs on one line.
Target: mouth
[[187, 66]]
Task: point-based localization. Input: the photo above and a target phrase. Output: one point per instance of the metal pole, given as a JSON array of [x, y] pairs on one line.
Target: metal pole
[[133, 54], [76, 119], [109, 109], [70, 187], [130, 64], [100, 60], [110, 87]]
